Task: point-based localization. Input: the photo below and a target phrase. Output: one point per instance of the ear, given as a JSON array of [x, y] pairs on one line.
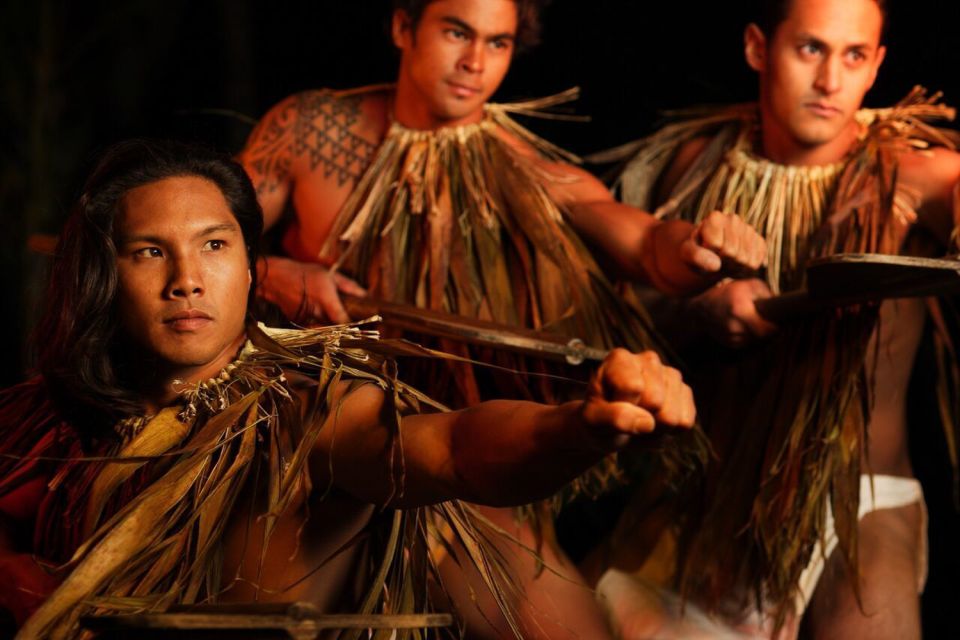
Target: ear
[[400, 29], [881, 55], [755, 47]]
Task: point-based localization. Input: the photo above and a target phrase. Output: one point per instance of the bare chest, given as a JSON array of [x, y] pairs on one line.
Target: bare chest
[[310, 553]]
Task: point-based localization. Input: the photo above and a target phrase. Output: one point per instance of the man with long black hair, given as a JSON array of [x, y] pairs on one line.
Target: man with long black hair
[[173, 452]]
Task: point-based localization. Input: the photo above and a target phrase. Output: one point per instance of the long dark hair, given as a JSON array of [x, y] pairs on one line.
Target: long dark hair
[[79, 349]]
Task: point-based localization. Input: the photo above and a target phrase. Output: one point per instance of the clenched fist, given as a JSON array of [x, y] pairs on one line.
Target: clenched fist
[[724, 243], [730, 311], [631, 393]]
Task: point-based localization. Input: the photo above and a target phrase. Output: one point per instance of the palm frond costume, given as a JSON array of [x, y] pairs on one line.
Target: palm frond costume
[[787, 418], [137, 519], [459, 220]]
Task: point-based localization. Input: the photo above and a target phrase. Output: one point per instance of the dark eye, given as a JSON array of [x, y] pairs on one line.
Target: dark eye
[[810, 49], [500, 44], [457, 34], [856, 56], [215, 245], [148, 252]]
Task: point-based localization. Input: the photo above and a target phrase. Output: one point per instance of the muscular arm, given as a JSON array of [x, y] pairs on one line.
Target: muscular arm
[[500, 452], [310, 148], [314, 146], [676, 257], [268, 158]]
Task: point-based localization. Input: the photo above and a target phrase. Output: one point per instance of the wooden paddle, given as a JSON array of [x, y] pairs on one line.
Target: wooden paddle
[[857, 278]]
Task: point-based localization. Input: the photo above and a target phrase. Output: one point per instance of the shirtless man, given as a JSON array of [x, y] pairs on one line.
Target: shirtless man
[[313, 147], [156, 268], [816, 60]]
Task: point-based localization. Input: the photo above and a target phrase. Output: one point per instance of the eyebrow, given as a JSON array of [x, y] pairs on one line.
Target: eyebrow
[[457, 22], [810, 38], [212, 229], [806, 38], [218, 228]]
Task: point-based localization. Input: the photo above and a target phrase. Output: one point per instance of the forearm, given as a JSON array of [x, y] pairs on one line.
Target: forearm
[[661, 255], [499, 452], [617, 231], [507, 452], [640, 247]]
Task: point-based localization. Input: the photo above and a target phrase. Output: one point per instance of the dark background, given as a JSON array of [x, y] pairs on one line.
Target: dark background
[[76, 76]]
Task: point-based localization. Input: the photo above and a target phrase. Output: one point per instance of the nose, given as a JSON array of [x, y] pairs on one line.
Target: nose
[[828, 75], [185, 280], [473, 58]]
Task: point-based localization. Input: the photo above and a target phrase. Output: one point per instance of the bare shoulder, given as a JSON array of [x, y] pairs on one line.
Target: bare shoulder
[[334, 133], [355, 411], [570, 184], [567, 183]]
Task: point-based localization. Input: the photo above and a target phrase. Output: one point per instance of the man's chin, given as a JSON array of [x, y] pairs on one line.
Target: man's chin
[[457, 110], [185, 356], [817, 135]]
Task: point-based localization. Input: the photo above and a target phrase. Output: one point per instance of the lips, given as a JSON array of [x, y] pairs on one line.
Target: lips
[[463, 90], [823, 110], [188, 320]]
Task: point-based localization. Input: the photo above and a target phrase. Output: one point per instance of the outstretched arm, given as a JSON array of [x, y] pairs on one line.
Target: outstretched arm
[[676, 257], [499, 452]]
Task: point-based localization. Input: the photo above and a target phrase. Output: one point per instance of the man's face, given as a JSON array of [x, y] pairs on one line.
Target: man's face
[[183, 272], [817, 67], [457, 56]]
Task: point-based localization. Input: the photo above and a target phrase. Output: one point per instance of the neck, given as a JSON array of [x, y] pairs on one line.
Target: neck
[[780, 147], [164, 382], [413, 112]]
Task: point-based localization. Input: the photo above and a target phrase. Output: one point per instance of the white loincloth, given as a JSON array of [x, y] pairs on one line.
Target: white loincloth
[[876, 493], [638, 609]]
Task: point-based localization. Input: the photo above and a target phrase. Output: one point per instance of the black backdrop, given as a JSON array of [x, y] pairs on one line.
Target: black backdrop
[[75, 76]]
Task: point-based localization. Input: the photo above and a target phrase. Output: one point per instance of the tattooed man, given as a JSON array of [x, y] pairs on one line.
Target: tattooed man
[[426, 194]]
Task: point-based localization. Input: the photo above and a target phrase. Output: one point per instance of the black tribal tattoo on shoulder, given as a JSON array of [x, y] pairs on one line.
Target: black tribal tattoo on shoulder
[[314, 124]]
